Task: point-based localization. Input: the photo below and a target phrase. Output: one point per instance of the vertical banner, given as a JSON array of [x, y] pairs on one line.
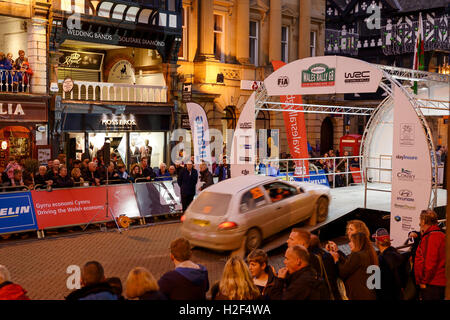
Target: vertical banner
[[411, 169], [243, 146], [295, 126], [200, 133]]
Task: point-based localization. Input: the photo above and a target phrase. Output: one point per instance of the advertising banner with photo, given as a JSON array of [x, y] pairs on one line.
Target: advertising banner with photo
[[411, 170], [243, 146], [156, 198], [323, 75], [295, 125], [200, 133], [16, 212]]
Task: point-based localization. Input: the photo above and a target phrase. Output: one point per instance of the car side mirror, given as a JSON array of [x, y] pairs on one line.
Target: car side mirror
[[300, 190]]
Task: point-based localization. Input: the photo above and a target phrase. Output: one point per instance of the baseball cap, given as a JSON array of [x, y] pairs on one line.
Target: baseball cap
[[381, 234]]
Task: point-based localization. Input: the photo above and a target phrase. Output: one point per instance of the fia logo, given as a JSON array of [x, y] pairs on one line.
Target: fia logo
[[283, 81]]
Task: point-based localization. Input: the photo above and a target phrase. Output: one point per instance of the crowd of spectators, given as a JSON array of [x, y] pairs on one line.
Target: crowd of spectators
[[15, 74], [311, 272]]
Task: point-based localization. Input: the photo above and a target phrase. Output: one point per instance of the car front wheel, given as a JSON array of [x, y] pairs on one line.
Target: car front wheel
[[322, 209]]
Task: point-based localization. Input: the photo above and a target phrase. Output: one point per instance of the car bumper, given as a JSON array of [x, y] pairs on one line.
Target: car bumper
[[214, 240]]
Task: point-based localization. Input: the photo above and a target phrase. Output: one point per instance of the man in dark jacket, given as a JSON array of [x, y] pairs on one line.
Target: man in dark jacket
[[63, 180], [429, 263], [92, 175], [223, 170], [296, 281], [187, 180], [147, 171], [263, 274], [205, 177], [42, 178], [390, 262], [9, 290], [320, 260], [94, 285], [189, 281]]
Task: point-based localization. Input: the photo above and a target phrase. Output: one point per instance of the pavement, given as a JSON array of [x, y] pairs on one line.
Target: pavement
[[39, 265]]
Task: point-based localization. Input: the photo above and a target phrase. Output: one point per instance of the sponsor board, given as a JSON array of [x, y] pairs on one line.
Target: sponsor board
[[318, 75], [406, 134], [17, 212]]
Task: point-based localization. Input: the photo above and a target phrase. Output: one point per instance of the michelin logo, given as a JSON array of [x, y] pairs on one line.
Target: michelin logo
[[14, 211]]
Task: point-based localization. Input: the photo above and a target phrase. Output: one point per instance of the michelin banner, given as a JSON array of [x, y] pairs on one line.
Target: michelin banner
[[411, 169], [200, 133], [17, 212]]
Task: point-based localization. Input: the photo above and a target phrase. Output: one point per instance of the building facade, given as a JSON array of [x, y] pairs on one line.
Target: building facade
[[383, 32], [23, 89], [229, 44], [112, 73]]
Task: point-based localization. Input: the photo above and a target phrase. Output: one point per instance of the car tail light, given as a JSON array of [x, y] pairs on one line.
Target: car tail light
[[183, 217], [227, 225]]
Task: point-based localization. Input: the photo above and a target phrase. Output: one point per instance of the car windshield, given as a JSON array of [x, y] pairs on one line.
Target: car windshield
[[214, 204]]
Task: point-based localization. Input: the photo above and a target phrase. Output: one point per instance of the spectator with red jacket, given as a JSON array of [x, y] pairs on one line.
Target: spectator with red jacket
[[429, 263], [9, 290]]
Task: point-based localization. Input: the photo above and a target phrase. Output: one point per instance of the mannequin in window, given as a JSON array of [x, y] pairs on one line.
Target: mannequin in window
[[134, 150], [146, 151]]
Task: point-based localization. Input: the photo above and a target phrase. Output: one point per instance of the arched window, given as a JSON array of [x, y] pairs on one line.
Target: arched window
[[229, 119], [263, 120]]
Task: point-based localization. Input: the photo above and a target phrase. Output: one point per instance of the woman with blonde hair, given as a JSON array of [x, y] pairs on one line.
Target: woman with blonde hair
[[142, 285], [236, 282]]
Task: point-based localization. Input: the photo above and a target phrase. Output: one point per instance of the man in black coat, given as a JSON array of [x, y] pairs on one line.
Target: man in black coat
[[223, 170], [147, 171], [205, 177], [187, 180], [391, 266], [94, 285], [296, 281], [320, 260]]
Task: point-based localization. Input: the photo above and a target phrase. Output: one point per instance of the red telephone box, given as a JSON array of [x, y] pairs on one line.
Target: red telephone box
[[350, 143]]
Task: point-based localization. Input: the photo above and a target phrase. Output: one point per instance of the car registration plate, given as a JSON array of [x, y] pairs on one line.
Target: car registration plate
[[201, 223]]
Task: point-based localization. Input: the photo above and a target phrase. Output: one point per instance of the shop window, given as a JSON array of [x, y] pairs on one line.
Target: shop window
[[219, 38], [253, 45], [285, 44], [183, 53], [313, 43], [15, 141]]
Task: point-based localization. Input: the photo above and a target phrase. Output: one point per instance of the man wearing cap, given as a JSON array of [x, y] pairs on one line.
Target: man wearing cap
[[390, 262], [187, 180], [429, 263]]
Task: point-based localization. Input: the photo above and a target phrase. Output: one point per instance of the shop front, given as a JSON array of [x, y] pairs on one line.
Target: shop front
[[23, 127], [133, 132]]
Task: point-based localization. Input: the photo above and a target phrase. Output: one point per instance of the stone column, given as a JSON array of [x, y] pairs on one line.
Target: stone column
[[275, 30], [242, 31], [206, 31], [304, 29], [37, 54]]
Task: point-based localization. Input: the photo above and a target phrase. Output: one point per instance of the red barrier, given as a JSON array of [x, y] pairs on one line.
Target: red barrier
[[356, 175], [77, 206]]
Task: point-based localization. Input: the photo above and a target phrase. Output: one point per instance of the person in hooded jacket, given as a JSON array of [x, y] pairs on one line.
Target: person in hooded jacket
[[189, 281], [94, 285], [9, 290]]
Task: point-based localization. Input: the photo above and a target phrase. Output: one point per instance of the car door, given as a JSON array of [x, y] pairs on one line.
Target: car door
[[255, 210], [280, 195], [301, 206]]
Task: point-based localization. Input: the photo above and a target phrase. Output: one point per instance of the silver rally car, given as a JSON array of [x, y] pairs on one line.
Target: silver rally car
[[251, 208]]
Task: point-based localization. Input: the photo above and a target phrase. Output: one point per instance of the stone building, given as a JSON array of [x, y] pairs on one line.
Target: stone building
[[229, 44], [23, 94]]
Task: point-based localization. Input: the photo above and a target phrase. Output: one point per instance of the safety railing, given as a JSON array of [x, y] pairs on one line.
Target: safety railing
[[14, 81], [14, 188], [105, 91], [331, 171], [373, 189]]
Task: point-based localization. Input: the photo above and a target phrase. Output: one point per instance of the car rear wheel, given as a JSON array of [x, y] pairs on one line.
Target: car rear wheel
[[253, 240], [322, 209]]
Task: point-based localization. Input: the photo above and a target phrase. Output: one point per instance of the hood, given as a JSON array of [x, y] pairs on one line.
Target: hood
[[11, 291], [195, 275]]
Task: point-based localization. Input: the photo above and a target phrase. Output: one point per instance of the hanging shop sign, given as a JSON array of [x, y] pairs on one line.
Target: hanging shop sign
[[81, 60], [122, 72]]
